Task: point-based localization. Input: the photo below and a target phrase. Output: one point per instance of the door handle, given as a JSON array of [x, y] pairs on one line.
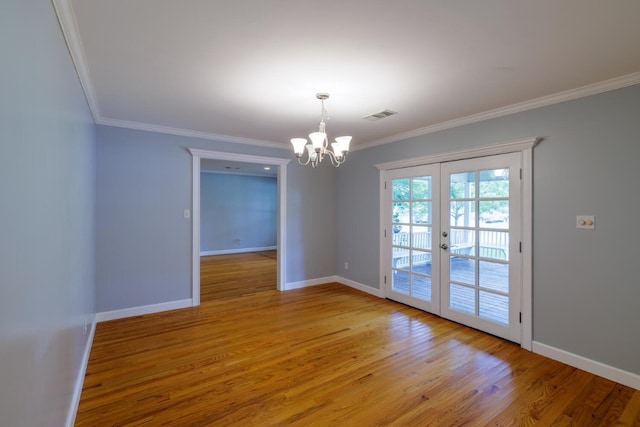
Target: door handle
[[444, 246]]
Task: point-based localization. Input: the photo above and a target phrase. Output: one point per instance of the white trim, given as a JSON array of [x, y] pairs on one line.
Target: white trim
[[466, 153], [69, 26], [77, 389], [567, 95], [334, 279], [144, 309], [597, 368], [239, 173], [309, 282], [526, 298], [238, 251], [190, 133], [360, 287], [383, 247], [195, 229], [237, 157], [199, 154]]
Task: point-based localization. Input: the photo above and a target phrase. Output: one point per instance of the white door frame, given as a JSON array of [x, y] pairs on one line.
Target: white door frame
[[197, 155], [525, 148]]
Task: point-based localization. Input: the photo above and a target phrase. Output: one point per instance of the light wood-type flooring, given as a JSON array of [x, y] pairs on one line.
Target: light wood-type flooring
[[234, 275], [329, 355]]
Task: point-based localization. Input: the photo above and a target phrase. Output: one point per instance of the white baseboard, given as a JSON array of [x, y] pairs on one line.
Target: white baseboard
[[359, 286], [238, 251], [609, 372], [310, 282], [331, 279], [77, 389], [145, 309]]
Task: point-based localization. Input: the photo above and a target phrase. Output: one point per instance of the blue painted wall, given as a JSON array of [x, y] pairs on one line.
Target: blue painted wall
[[237, 212], [47, 194]]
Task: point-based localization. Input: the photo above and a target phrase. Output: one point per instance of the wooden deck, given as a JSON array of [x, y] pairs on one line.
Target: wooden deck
[[330, 355], [493, 278]]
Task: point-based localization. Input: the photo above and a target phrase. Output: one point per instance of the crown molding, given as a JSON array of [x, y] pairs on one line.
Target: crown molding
[[69, 27], [466, 153], [189, 133], [568, 95]]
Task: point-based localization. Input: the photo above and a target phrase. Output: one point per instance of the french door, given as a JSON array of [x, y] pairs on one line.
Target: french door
[[452, 245]]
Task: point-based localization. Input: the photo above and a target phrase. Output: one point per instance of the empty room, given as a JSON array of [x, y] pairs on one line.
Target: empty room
[[356, 213]]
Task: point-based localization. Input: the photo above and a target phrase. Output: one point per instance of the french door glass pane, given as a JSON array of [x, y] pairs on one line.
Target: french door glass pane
[[463, 213], [399, 239], [421, 187], [494, 213], [400, 213], [493, 183], [421, 286], [400, 189], [400, 281], [494, 307], [463, 185], [400, 258], [421, 212], [420, 262], [494, 244], [462, 298], [462, 270], [421, 237], [462, 241], [493, 275]]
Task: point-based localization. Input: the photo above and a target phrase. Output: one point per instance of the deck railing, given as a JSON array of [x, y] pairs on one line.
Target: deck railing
[[491, 244]]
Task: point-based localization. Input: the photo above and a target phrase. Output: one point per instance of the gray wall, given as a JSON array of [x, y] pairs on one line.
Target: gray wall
[[143, 252], [237, 211], [47, 188], [585, 283]]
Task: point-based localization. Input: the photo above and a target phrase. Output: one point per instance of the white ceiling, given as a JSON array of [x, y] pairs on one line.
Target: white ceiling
[[248, 71]]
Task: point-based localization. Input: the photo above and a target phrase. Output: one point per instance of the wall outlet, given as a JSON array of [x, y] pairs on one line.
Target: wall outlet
[[586, 222], [346, 265], [187, 213]]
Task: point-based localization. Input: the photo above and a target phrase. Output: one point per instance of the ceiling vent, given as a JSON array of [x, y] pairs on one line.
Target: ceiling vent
[[380, 115]]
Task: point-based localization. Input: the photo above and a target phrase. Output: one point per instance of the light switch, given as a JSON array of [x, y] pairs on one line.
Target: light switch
[[586, 222], [187, 213]]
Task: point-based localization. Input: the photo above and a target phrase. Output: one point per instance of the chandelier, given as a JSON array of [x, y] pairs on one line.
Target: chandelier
[[318, 148]]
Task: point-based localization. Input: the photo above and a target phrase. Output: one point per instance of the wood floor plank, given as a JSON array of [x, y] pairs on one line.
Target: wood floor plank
[[327, 355]]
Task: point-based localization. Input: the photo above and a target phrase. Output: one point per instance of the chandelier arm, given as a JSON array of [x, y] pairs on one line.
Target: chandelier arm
[[334, 160], [305, 163]]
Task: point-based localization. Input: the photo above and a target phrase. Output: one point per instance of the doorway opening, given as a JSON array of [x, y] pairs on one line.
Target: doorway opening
[[281, 166]]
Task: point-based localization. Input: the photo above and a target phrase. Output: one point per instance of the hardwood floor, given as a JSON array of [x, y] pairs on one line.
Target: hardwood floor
[[330, 355], [224, 276]]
